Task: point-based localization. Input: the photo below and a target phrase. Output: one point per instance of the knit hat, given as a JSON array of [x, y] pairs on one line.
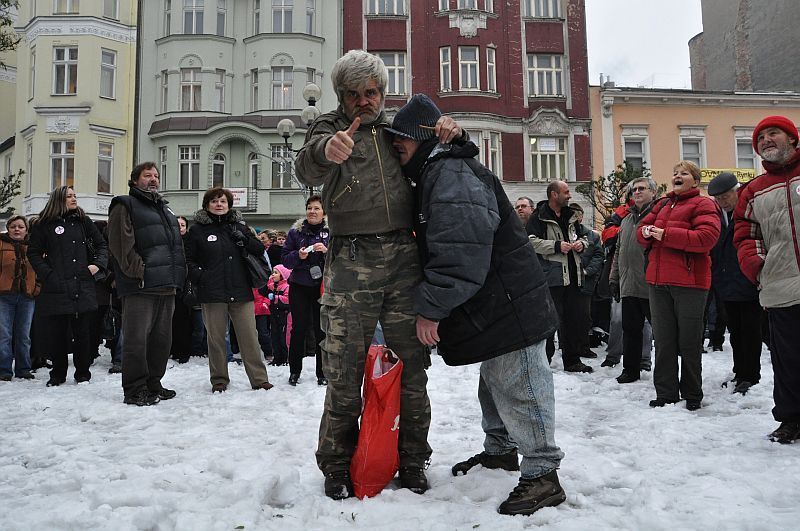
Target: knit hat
[[781, 122], [419, 111], [722, 183]]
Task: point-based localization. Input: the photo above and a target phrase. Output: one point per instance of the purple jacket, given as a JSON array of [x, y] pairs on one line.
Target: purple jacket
[[300, 238]]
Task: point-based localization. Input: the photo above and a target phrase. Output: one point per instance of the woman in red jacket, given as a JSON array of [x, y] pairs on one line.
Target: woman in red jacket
[[678, 235]]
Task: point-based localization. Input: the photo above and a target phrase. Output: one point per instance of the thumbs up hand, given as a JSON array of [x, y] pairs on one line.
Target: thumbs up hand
[[340, 146]]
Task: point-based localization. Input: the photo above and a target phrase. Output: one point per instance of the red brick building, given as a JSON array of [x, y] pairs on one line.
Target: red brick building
[[513, 72]]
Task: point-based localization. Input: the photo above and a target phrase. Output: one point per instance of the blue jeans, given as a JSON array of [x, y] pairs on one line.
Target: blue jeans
[[518, 407], [16, 314]]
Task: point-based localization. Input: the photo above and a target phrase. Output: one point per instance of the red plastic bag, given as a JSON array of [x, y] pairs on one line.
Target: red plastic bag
[[376, 459]]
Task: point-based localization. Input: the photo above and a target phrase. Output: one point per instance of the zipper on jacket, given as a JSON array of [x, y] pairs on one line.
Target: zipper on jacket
[[383, 179], [347, 188]]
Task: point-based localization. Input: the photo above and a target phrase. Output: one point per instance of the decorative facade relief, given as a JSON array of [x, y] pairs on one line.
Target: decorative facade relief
[[468, 22], [63, 124], [548, 123]]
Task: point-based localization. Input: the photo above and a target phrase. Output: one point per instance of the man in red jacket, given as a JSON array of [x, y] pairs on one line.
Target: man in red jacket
[[767, 219]]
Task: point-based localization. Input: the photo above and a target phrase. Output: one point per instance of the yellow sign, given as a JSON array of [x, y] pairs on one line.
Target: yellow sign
[[743, 175]]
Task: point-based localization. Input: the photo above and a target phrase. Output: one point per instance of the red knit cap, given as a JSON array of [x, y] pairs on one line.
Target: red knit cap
[[781, 122]]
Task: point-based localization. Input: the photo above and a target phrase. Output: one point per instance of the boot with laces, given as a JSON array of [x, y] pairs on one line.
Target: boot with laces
[[508, 461], [338, 485], [787, 433], [530, 495], [413, 478]]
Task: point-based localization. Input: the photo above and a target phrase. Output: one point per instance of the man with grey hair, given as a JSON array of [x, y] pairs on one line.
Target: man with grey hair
[[627, 280], [371, 269]]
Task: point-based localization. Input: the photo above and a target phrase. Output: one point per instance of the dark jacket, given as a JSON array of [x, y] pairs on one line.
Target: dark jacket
[[59, 253], [17, 276], [146, 243], [591, 261], [726, 277], [216, 263], [481, 277], [546, 234], [301, 236], [627, 269]]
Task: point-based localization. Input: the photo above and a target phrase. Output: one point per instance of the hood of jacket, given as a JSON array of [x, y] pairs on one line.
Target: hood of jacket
[[300, 223], [204, 217]]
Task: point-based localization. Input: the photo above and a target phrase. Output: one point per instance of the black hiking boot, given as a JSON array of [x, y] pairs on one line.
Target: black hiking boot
[[787, 433], [661, 402], [578, 367], [627, 377], [508, 461], [142, 398], [530, 495], [742, 386], [338, 485], [413, 478]]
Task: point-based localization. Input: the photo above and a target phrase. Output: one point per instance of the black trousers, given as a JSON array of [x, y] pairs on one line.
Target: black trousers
[[304, 304], [264, 337], [56, 328], [744, 323], [146, 340], [634, 311], [277, 326], [571, 316], [784, 326]]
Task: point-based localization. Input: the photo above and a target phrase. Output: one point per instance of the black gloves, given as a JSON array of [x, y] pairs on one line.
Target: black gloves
[[238, 237]]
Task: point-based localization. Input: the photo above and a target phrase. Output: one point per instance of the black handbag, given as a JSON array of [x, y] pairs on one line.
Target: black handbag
[[257, 269]]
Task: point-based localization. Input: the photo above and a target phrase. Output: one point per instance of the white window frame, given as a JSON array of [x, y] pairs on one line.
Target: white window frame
[[491, 69], [70, 69], [219, 89], [191, 84], [218, 162], [282, 16], [282, 87], [494, 153], [635, 133], [545, 75], [32, 74], [281, 166], [256, 17], [387, 7], [110, 9], [253, 165], [488, 6], [29, 167], [62, 163], [631, 157], [222, 17], [744, 135], [162, 165], [473, 69], [543, 8], [444, 5], [193, 17], [164, 91], [752, 157], [445, 69], [254, 103], [468, 4], [311, 11], [696, 135], [105, 159], [396, 66], [108, 70], [66, 7], [188, 167], [167, 18], [549, 163]]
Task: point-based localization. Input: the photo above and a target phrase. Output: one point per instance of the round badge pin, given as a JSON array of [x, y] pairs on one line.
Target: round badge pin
[[59, 230], [212, 237]]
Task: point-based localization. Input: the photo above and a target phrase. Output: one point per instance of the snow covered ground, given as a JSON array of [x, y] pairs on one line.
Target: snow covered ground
[[76, 457]]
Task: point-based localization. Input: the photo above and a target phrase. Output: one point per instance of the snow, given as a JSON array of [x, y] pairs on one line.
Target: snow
[[76, 457]]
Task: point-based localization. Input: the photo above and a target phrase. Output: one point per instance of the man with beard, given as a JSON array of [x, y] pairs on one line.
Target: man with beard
[[767, 223], [371, 267]]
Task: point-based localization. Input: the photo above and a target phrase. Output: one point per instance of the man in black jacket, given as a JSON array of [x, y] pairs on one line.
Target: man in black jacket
[[145, 240], [484, 299]]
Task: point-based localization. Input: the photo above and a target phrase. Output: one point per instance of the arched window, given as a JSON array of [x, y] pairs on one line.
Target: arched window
[[218, 170], [254, 170]]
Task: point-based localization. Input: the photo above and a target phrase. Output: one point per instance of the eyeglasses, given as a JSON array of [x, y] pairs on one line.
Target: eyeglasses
[[639, 189], [522, 206]]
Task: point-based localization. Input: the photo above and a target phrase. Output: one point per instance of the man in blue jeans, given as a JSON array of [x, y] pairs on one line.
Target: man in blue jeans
[[484, 299]]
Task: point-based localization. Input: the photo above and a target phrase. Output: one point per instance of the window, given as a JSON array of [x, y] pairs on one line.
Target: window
[[310, 10], [256, 17], [218, 170], [253, 170], [189, 167], [396, 65], [219, 90], [66, 6], [7, 166], [745, 156], [32, 75], [62, 163], [468, 63], [28, 168], [692, 150], [190, 89], [491, 70], [311, 75], [167, 17], [164, 91], [387, 7], [105, 164], [444, 5], [545, 75], [65, 70], [282, 87], [222, 10], [548, 158], [281, 166], [108, 73], [488, 6], [543, 8], [254, 103], [445, 81], [193, 17], [468, 4], [493, 156], [633, 153], [111, 9], [282, 16], [162, 165]]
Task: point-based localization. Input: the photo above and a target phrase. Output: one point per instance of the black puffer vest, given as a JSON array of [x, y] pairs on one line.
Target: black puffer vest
[[158, 242]]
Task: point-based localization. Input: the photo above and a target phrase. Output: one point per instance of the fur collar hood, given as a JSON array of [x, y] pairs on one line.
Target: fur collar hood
[[203, 217]]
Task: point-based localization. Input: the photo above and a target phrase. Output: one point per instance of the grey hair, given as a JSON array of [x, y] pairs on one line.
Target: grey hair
[[353, 71], [650, 184]]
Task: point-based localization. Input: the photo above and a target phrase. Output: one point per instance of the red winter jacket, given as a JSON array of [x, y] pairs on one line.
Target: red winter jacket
[[691, 226]]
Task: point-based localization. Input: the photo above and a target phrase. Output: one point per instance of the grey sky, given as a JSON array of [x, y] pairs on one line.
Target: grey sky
[[641, 42]]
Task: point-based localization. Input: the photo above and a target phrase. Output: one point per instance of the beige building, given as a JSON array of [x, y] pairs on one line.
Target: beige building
[[659, 127], [74, 100]]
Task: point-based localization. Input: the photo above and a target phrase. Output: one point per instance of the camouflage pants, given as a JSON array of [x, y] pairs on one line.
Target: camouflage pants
[[368, 278]]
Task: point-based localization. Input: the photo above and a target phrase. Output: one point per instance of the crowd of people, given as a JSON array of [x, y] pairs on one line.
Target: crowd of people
[[377, 251]]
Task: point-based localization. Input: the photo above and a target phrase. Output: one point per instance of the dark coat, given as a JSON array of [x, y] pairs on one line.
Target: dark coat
[[216, 264], [591, 262], [300, 238], [726, 276], [481, 276], [59, 254]]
